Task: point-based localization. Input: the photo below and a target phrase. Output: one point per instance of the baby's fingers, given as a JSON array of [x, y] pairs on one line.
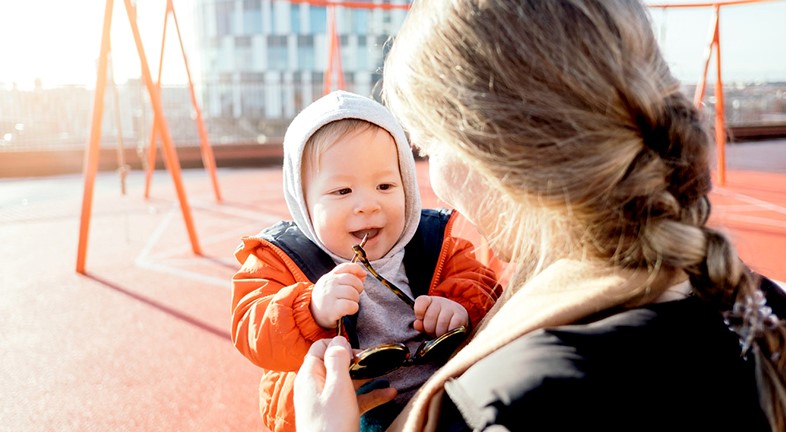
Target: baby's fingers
[[354, 269], [421, 305], [344, 307], [457, 321]]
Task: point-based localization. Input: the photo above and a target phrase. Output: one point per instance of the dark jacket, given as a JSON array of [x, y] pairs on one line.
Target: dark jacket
[[670, 366]]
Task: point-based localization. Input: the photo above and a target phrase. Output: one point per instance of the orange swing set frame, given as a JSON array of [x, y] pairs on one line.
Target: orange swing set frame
[[160, 129]]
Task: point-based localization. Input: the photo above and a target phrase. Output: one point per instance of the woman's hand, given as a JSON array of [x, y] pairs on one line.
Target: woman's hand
[[325, 398]]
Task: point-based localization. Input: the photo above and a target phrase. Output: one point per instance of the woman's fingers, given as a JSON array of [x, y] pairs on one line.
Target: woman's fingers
[[325, 398], [375, 398], [313, 362], [310, 380], [337, 356]]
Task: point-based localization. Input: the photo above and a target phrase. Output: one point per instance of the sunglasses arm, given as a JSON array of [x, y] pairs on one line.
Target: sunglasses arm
[[360, 254]]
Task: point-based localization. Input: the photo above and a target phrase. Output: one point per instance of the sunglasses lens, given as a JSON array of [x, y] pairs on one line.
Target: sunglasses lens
[[377, 361], [441, 348]]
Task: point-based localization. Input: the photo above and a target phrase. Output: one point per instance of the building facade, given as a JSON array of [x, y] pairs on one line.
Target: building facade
[[261, 61]]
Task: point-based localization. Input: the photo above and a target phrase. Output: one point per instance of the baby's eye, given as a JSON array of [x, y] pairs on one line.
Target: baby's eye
[[342, 191], [385, 186]]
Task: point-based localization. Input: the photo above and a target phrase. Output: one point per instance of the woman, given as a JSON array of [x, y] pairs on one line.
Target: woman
[[557, 128]]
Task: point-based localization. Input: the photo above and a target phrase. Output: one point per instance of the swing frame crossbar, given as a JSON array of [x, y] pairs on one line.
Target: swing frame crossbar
[[160, 129]]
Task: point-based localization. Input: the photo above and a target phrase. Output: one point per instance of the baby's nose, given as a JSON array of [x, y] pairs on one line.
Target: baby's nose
[[366, 204]]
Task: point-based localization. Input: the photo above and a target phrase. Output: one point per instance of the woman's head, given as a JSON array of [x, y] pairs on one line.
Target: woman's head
[[568, 112]]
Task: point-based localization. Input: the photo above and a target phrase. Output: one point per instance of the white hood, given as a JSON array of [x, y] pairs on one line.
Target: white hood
[[336, 106]]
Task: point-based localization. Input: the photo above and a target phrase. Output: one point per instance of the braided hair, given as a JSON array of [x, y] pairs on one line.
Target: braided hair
[[570, 113]]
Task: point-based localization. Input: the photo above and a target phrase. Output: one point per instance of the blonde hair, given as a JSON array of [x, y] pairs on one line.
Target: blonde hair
[[570, 113]]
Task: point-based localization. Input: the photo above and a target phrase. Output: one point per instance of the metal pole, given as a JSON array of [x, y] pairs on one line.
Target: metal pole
[[160, 121], [93, 148]]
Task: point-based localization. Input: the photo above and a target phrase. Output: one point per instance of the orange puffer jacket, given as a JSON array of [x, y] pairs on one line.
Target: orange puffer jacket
[[272, 325]]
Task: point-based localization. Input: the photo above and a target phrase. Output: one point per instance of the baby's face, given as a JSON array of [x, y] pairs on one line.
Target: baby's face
[[355, 189]]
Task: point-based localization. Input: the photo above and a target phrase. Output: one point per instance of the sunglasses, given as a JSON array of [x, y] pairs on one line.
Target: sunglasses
[[381, 359]]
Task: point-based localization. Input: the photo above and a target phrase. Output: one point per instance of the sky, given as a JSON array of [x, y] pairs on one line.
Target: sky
[[58, 42], [752, 40]]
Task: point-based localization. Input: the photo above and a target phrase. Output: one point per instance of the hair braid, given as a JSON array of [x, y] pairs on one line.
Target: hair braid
[[661, 222], [583, 122], [719, 276]]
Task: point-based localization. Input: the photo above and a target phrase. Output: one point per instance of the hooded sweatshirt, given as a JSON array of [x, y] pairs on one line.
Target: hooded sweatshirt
[[383, 318]]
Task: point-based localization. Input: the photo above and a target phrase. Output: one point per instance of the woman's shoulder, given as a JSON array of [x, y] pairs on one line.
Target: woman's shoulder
[[618, 366]]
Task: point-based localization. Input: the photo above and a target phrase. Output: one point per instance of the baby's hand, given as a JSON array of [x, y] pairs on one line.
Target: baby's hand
[[437, 315], [336, 294]]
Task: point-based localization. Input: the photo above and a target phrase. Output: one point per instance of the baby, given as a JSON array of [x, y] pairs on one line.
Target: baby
[[349, 174]]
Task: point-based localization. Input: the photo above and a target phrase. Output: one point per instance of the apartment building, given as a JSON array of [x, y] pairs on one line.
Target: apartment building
[[262, 61]]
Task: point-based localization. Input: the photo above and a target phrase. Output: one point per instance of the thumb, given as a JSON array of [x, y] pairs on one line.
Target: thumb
[[337, 358], [375, 398]]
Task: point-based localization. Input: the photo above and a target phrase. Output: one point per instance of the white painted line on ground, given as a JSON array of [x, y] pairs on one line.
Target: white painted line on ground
[[157, 233], [742, 208], [235, 211], [159, 261], [174, 271], [143, 261], [754, 220], [752, 200]]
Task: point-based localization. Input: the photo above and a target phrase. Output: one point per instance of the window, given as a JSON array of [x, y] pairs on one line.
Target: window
[[294, 16], [361, 55], [277, 53], [252, 17], [318, 20], [359, 21], [252, 100], [252, 77], [306, 52], [317, 80], [224, 10], [242, 41]]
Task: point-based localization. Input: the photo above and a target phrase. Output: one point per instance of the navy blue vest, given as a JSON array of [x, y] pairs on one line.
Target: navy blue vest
[[420, 257]]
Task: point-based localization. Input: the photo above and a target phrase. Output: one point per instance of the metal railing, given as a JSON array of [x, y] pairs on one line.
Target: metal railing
[[59, 119]]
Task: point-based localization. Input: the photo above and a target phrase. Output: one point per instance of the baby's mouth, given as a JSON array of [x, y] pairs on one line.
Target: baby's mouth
[[371, 232]]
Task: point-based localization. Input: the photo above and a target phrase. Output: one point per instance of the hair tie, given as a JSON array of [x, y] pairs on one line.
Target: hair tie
[[750, 317]]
